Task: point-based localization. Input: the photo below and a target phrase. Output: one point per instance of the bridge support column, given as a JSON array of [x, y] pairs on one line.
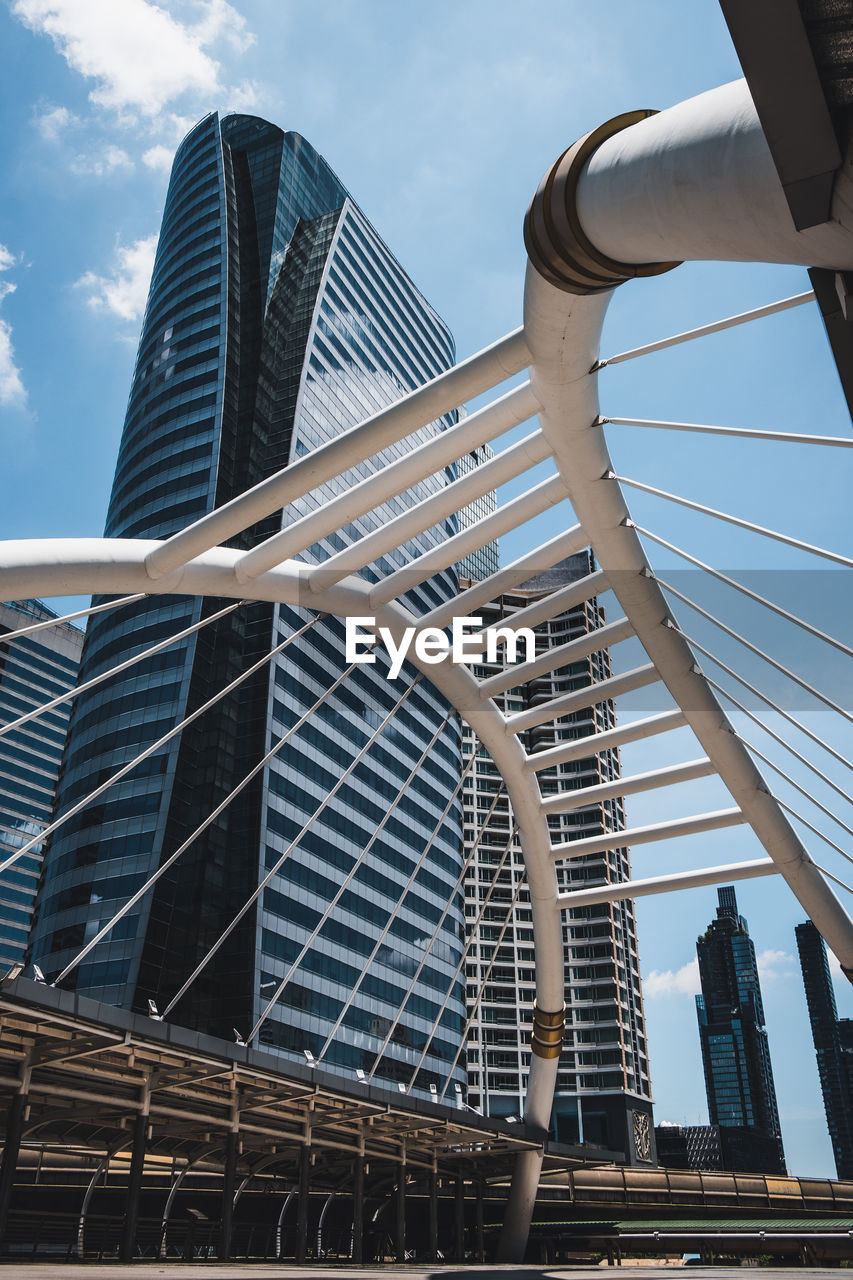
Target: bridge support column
[[302, 1208], [11, 1148], [12, 1144], [459, 1219], [127, 1248], [432, 1248], [519, 1207], [358, 1209], [481, 1255], [401, 1208], [229, 1179]]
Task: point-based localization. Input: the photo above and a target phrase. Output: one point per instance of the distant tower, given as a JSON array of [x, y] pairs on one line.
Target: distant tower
[[33, 670], [735, 1052], [603, 1093], [833, 1042]]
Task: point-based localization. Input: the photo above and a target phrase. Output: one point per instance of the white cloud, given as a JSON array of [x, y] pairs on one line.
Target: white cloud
[[13, 393], [140, 57], [774, 964], [53, 121], [222, 21], [158, 158], [243, 97], [109, 159], [125, 291], [668, 982], [175, 127]]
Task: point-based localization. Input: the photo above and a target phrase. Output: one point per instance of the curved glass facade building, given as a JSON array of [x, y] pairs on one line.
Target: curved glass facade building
[[277, 318]]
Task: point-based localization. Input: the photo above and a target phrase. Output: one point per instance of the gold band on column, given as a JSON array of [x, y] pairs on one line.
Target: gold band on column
[[548, 1028], [556, 243]]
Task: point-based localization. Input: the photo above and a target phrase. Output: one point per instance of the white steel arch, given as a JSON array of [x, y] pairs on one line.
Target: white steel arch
[[632, 199]]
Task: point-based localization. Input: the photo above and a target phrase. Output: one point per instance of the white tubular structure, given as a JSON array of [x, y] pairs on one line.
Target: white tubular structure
[[694, 182], [698, 182]]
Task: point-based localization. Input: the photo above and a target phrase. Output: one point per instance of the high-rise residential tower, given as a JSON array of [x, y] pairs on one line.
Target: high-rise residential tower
[[277, 318], [735, 1051], [833, 1042], [34, 669], [603, 1093]]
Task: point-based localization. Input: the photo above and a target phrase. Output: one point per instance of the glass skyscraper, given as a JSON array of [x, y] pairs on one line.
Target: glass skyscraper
[[277, 318], [34, 669], [603, 1093], [833, 1043], [735, 1051]]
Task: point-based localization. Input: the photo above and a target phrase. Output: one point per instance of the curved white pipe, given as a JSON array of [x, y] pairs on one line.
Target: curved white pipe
[[697, 181], [694, 182], [563, 331]]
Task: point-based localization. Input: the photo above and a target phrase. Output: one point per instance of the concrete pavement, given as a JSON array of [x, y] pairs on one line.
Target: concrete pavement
[[415, 1271]]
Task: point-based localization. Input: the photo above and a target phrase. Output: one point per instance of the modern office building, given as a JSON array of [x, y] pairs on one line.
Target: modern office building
[[603, 1093], [277, 318], [735, 1052], [694, 1146], [34, 669], [833, 1042]]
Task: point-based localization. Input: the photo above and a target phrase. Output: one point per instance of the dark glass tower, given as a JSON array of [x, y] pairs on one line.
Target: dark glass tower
[[735, 1052], [277, 319], [833, 1042]]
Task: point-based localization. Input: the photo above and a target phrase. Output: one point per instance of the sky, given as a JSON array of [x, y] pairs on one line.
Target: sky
[[440, 118]]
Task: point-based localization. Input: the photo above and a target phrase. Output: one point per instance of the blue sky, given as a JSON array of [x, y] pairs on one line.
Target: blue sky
[[440, 118]]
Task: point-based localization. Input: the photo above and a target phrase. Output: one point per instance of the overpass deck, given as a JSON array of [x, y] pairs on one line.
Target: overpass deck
[[101, 1096], [88, 1070]]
